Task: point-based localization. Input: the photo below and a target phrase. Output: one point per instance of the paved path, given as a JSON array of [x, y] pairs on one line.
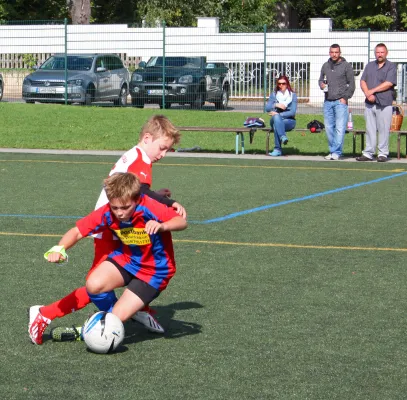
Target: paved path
[[195, 155]]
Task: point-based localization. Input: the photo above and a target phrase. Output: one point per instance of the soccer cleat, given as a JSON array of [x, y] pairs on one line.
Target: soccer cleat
[[145, 318], [66, 334], [37, 324]]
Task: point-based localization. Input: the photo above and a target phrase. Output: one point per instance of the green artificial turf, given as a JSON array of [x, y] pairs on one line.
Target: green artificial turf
[[295, 290]]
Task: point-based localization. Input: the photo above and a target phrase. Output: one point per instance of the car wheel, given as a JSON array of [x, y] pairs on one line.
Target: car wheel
[[199, 100], [222, 103], [139, 103], [89, 96], [1, 90], [122, 100]]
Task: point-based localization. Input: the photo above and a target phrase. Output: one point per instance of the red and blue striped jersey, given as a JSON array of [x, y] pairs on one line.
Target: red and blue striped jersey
[[149, 258]]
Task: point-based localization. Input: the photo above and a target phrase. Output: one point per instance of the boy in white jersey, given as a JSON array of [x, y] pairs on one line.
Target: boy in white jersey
[[157, 136]]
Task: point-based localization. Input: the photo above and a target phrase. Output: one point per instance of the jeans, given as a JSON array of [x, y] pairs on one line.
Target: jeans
[[280, 126], [335, 120]]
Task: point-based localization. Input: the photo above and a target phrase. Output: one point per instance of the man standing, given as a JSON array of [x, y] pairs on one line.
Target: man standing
[[377, 82], [337, 80]]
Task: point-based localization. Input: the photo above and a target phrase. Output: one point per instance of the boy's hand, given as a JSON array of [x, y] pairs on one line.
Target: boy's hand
[[180, 210], [56, 254], [56, 258], [153, 227], [164, 192]]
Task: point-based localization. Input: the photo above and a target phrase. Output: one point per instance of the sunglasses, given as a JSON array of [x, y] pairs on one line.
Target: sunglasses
[[281, 83]]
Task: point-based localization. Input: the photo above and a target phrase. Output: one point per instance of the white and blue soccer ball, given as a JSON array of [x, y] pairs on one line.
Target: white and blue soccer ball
[[103, 332]]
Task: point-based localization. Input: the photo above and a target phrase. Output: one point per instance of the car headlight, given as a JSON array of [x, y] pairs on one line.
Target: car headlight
[[185, 79], [137, 78], [26, 82], [75, 82]]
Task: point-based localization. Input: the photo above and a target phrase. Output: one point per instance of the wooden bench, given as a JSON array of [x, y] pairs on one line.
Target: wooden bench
[[362, 140], [251, 131]]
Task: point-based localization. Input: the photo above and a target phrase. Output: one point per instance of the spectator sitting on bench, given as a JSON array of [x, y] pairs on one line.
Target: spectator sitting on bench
[[281, 106]]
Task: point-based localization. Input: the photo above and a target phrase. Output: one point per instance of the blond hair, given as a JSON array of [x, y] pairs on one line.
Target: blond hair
[[160, 126], [122, 185]]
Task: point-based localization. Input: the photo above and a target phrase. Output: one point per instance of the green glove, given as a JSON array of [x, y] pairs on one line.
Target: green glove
[[57, 249]]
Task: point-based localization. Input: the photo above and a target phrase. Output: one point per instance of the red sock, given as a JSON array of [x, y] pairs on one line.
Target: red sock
[[76, 300]]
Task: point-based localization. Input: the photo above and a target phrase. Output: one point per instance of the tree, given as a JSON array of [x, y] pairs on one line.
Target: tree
[[80, 11]]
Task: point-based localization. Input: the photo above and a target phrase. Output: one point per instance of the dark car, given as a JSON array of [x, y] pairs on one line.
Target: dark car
[[182, 80], [88, 78]]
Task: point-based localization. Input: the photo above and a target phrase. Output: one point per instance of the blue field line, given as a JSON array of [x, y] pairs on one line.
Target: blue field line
[[297, 200], [240, 213]]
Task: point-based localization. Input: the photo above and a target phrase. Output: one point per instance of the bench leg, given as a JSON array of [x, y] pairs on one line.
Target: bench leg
[[354, 145], [241, 136], [398, 146], [268, 142]]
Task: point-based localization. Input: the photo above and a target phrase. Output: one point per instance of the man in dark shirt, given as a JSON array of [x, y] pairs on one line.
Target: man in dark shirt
[[337, 80], [377, 83]]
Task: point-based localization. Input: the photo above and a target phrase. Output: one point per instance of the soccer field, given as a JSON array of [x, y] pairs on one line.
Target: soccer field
[[290, 282]]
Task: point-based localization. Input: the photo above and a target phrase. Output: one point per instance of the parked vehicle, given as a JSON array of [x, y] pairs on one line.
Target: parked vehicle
[[88, 78], [182, 80], [1, 86]]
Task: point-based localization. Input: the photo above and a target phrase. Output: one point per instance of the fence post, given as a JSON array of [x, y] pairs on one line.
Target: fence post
[[66, 60], [264, 66], [163, 97], [368, 45]]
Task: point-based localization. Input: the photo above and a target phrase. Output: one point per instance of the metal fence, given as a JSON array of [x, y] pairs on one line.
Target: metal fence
[[254, 60]]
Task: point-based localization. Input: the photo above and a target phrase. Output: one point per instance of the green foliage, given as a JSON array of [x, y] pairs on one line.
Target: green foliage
[[380, 22], [29, 60], [234, 15]]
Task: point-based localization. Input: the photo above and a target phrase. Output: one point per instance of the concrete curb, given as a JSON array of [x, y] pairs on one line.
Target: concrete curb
[[194, 155]]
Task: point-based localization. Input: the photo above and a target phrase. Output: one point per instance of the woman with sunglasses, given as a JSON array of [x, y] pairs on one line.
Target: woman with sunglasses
[[281, 106]]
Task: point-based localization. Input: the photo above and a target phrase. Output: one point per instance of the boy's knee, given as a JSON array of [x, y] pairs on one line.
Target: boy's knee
[[93, 286]]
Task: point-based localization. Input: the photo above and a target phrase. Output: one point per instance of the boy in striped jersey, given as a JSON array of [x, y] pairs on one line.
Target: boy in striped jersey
[[157, 137]]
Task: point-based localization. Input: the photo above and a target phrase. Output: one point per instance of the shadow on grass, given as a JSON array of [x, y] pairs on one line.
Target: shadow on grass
[[174, 328]]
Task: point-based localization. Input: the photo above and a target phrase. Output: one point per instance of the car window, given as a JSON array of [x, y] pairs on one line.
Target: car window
[[75, 63], [115, 63], [190, 62], [100, 62]]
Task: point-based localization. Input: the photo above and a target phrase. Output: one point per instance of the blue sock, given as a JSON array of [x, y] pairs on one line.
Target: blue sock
[[104, 301]]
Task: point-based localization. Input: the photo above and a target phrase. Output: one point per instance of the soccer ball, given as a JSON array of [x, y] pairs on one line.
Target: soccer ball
[[103, 332]]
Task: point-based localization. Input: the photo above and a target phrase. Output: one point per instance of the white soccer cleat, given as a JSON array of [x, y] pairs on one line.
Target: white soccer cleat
[[37, 324], [146, 319]]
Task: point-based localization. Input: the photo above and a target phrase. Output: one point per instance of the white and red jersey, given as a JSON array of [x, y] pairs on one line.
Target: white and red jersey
[[136, 161]]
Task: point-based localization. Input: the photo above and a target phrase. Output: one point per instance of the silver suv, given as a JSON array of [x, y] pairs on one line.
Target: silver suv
[[88, 77]]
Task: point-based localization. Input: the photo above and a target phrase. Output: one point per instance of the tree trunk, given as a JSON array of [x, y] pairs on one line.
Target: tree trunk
[[394, 13], [80, 11]]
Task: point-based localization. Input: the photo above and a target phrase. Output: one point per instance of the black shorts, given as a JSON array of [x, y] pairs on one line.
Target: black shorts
[[140, 288]]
